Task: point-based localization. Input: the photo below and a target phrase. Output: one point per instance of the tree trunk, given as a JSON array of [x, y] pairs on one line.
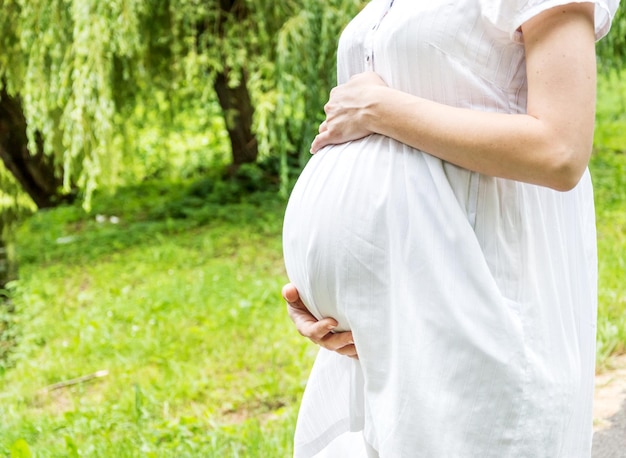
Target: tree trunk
[[4, 267], [238, 111], [7, 341], [36, 173], [234, 100]]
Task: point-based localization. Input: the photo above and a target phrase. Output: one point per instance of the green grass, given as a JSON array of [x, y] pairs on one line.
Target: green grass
[[608, 167], [609, 170], [187, 319]]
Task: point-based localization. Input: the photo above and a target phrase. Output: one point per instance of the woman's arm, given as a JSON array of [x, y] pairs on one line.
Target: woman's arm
[[548, 146]]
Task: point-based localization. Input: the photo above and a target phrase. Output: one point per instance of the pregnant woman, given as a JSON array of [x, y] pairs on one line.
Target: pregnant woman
[[446, 221]]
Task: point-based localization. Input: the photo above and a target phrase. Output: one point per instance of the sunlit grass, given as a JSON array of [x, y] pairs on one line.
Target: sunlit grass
[[608, 167], [187, 321], [611, 219]]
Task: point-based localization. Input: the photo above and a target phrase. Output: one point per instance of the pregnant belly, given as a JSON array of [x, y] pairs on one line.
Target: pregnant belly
[[329, 233], [352, 214]]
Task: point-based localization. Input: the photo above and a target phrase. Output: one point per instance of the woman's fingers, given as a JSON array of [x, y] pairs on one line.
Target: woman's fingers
[[349, 350], [341, 342], [320, 141], [290, 293], [318, 331], [343, 111], [315, 330], [305, 322]]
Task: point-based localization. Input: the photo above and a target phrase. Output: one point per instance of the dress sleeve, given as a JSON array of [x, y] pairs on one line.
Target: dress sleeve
[[509, 15]]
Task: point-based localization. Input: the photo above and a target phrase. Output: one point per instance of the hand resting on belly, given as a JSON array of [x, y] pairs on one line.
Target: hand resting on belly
[[319, 332]]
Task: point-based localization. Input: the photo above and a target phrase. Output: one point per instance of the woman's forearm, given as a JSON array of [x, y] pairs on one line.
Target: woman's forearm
[[515, 146]]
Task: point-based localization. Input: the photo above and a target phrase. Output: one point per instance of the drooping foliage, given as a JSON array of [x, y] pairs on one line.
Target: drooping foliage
[[612, 48], [305, 71], [85, 73]]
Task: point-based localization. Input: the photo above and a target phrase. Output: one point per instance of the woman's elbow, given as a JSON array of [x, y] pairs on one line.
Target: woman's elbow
[[567, 166]]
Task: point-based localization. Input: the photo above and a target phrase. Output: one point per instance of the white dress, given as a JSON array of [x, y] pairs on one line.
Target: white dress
[[472, 299]]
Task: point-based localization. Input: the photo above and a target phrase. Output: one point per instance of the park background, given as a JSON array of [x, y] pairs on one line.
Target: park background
[[148, 148]]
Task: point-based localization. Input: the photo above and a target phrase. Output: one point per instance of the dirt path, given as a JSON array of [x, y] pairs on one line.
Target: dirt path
[[609, 413], [610, 394]]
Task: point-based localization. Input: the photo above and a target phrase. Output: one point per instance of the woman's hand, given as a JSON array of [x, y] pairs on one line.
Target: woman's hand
[[343, 111], [318, 331]]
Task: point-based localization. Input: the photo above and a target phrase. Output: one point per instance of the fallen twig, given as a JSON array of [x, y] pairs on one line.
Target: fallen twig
[[75, 381]]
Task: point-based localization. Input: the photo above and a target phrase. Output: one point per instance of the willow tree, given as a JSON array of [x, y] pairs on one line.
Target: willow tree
[[72, 71], [612, 49], [60, 64]]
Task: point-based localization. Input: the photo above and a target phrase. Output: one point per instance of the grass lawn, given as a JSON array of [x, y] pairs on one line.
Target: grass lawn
[[185, 317], [609, 171], [608, 168]]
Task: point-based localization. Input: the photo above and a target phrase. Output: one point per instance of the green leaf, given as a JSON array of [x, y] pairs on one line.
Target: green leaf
[[20, 449], [72, 449]]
